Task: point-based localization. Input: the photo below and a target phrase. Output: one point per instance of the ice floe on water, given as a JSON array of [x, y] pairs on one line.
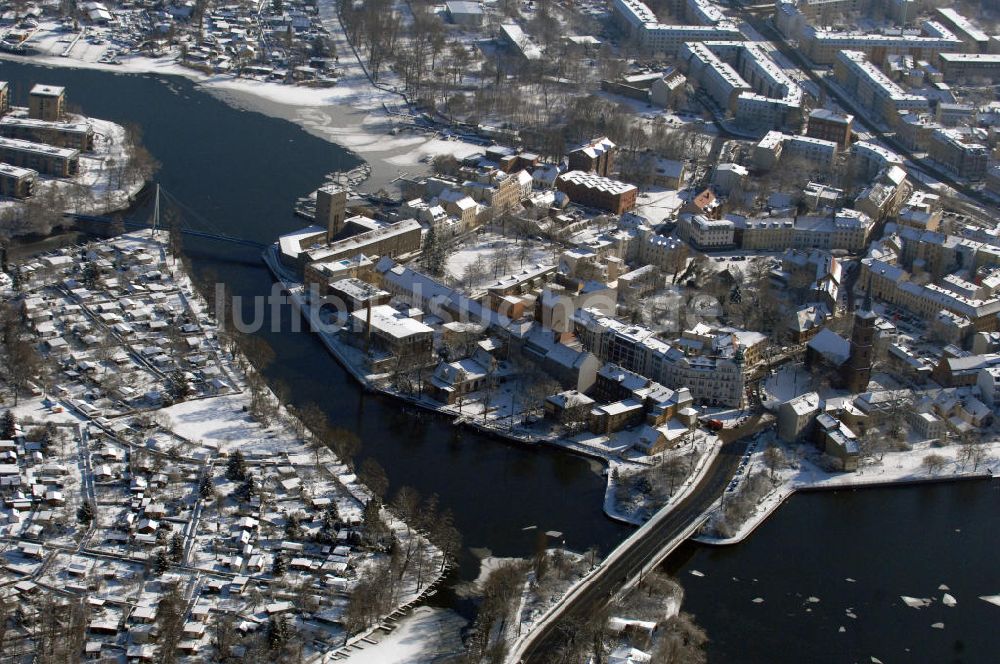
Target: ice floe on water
[[758, 600], [938, 625], [943, 587], [695, 572], [992, 599], [850, 580], [949, 600], [915, 602], [842, 629], [812, 600], [850, 613]]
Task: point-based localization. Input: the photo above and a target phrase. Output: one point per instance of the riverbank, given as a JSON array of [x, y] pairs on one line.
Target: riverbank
[[896, 469], [707, 453], [107, 179], [371, 121]]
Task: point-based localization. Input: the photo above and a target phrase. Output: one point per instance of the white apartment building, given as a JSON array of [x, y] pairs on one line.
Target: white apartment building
[[846, 229], [636, 18], [822, 46], [872, 89], [712, 362], [742, 79], [705, 233], [775, 146]]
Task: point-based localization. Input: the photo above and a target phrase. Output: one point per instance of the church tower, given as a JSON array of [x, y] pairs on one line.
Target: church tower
[[857, 371]]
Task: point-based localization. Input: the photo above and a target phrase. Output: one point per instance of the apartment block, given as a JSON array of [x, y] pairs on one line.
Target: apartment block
[[46, 159], [705, 233], [974, 39], [76, 135], [16, 182], [776, 146], [742, 79], [829, 126], [712, 362], [968, 160], [822, 46], [846, 229], [870, 158], [641, 22], [966, 66], [47, 102], [872, 89]]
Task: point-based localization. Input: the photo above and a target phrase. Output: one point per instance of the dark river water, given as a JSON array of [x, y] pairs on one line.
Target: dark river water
[[241, 171]]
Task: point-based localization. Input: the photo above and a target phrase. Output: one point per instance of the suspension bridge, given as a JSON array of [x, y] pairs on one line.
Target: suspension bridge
[[180, 218]]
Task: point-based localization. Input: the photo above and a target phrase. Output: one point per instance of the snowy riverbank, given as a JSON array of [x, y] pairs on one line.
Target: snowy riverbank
[[353, 113], [105, 182], [895, 469]]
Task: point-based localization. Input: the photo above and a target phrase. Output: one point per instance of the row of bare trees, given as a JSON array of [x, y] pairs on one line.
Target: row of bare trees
[[410, 555]]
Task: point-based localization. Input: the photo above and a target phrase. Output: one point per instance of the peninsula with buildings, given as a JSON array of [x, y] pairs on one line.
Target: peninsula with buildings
[[53, 162]]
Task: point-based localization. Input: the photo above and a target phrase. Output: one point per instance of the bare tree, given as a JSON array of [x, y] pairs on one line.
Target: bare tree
[[682, 642], [934, 463]]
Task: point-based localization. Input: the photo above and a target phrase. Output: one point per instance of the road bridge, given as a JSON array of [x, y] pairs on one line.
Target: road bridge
[[638, 555]]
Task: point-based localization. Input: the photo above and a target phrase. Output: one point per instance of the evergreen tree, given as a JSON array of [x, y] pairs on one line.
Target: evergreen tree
[[248, 489], [331, 517], [278, 632], [280, 565], [433, 254], [177, 547], [236, 468], [293, 527], [161, 563], [372, 525], [8, 427], [331, 524], [85, 514], [206, 489], [90, 275], [180, 386]]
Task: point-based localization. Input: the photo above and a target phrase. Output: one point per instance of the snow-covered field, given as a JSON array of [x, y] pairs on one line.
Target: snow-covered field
[[481, 255], [426, 635], [658, 205], [221, 424]]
